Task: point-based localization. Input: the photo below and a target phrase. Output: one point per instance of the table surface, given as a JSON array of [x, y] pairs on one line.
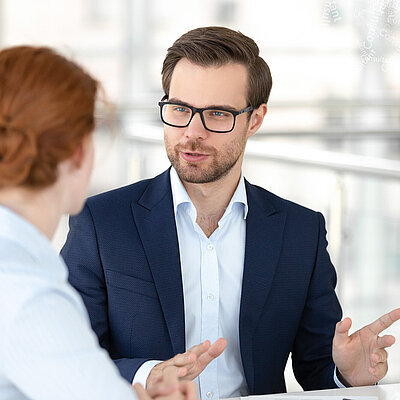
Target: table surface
[[383, 392]]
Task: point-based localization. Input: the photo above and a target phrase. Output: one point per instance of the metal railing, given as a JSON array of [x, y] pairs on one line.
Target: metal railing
[[329, 160]]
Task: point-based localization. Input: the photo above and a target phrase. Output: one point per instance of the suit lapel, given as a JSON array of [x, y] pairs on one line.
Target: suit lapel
[[264, 231], [155, 221]]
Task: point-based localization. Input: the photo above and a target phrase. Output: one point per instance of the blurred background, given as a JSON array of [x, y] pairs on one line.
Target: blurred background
[[331, 138]]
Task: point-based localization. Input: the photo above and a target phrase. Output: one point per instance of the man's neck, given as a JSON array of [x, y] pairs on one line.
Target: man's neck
[[211, 200]]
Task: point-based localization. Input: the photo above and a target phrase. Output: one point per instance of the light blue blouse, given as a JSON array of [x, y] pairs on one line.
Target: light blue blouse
[[47, 348]]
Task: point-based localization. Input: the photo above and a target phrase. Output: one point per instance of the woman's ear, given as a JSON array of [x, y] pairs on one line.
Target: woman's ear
[[80, 152]]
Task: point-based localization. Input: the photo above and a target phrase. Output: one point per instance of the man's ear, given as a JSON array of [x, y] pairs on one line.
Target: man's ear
[[256, 119]]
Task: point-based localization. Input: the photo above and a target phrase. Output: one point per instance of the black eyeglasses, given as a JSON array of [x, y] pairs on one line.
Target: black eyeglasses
[[215, 120]]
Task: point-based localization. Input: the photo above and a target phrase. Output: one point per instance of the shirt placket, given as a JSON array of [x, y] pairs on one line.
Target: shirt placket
[[208, 380]]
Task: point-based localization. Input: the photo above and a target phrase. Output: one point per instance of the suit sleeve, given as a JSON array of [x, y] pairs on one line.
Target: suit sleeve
[[86, 275], [312, 352]]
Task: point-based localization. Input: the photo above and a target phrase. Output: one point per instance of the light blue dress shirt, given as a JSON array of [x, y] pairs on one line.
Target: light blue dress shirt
[[47, 349], [212, 273]]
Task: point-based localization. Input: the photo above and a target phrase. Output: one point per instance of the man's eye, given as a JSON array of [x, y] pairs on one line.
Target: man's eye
[[217, 114], [181, 109]]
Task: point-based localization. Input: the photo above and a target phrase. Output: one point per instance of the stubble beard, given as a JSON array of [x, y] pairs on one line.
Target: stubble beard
[[219, 167]]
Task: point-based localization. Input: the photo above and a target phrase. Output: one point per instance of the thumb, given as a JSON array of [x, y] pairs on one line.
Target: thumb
[[342, 332], [141, 392]]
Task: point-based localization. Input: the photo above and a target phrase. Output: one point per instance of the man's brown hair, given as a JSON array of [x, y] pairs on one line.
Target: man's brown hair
[[216, 46]]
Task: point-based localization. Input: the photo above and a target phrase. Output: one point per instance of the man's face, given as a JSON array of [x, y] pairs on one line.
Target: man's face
[[200, 156]]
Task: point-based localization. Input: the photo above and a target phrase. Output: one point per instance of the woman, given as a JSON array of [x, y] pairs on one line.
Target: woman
[[47, 349]]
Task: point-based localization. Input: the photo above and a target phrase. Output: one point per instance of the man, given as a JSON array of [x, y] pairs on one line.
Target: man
[[199, 253]]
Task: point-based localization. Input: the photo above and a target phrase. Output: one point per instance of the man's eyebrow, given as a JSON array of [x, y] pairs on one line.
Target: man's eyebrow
[[214, 106], [177, 101]]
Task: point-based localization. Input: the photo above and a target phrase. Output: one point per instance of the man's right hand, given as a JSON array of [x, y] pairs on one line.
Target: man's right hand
[[190, 364], [168, 388]]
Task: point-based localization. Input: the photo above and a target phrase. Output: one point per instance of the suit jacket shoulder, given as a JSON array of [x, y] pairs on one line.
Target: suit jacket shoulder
[[271, 201], [150, 190]]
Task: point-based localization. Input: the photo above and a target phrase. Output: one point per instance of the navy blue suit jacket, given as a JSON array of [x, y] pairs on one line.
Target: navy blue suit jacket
[[123, 257]]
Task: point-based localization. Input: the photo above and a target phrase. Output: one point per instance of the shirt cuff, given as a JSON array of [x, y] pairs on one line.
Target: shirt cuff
[[336, 379], [144, 371]]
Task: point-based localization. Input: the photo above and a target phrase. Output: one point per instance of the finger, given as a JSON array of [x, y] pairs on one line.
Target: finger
[[379, 356], [183, 360], [199, 349], [384, 321], [140, 392], [379, 371], [170, 361], [214, 351], [342, 332], [385, 341], [217, 348], [189, 390]]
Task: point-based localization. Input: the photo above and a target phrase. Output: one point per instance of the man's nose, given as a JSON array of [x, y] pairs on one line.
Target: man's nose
[[196, 128]]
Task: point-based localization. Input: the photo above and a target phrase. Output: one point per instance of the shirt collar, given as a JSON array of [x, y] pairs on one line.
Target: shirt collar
[[180, 195], [239, 197]]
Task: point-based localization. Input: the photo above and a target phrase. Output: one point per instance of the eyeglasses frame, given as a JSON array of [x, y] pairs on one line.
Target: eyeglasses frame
[[196, 110]]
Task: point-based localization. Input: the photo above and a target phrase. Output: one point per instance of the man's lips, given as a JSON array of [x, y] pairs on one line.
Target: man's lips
[[193, 156]]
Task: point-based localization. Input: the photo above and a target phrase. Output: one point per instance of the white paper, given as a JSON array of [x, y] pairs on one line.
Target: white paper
[[316, 397]]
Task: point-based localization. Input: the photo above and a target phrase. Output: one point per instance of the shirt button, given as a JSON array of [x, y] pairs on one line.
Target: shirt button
[[210, 297], [210, 247], [209, 394]]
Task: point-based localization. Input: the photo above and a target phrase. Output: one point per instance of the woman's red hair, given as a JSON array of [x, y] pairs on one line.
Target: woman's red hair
[[46, 109]]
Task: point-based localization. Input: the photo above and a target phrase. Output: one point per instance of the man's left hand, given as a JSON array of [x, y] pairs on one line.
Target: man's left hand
[[361, 358]]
